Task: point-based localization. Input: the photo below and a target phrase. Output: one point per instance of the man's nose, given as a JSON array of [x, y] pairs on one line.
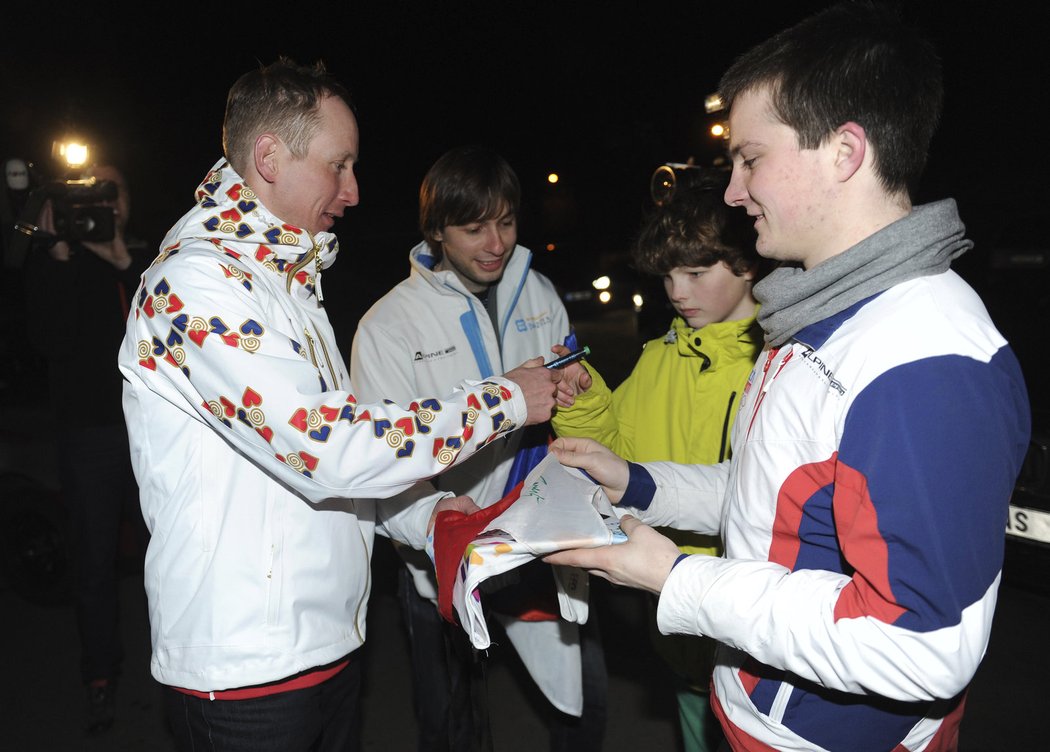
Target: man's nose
[[494, 240], [735, 192], [350, 191]]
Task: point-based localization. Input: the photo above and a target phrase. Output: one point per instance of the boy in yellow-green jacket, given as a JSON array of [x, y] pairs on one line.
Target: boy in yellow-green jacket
[[679, 402]]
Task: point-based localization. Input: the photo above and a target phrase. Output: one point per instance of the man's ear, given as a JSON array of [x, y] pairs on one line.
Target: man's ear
[[267, 147], [852, 146]]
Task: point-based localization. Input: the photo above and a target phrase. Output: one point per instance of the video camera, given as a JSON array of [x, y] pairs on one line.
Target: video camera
[[78, 209], [671, 177]]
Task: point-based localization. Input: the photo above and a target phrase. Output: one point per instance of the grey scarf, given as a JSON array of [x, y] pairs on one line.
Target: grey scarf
[[924, 243]]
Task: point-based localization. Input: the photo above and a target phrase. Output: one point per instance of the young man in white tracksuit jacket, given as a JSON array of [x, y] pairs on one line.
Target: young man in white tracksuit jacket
[[470, 304], [879, 435]]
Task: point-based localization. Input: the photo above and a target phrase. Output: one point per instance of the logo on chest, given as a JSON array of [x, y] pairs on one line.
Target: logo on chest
[[823, 370], [423, 357], [530, 323]]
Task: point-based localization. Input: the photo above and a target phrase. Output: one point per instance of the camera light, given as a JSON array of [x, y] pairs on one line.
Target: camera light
[[73, 153], [605, 296], [602, 283]]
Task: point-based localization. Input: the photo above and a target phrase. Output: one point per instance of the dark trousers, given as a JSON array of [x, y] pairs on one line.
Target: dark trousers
[[99, 493], [449, 685], [569, 733], [448, 678], [325, 718]]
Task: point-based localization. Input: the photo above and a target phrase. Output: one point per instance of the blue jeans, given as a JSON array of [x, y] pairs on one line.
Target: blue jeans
[[324, 718]]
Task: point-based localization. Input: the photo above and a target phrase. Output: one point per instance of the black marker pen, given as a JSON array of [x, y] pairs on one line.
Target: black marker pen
[[565, 360]]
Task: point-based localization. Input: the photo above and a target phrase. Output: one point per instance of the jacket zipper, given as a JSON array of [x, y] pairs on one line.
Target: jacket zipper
[[368, 578], [327, 358], [724, 451], [766, 385], [313, 255]]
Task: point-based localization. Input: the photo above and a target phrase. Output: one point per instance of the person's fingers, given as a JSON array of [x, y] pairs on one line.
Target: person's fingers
[[572, 557], [628, 523]]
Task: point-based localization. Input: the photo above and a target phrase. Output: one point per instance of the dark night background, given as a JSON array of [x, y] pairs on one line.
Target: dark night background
[[600, 93]]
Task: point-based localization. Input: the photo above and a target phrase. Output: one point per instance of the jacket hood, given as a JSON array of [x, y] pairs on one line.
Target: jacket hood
[[230, 215]]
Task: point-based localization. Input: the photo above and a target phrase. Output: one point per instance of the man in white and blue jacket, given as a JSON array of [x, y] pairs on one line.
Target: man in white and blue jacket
[[470, 304], [879, 436]]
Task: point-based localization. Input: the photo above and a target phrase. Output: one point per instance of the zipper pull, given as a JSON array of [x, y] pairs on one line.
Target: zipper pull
[[317, 277]]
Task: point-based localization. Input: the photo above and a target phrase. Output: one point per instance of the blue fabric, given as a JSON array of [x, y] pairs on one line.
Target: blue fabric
[[532, 452], [469, 322], [640, 487]]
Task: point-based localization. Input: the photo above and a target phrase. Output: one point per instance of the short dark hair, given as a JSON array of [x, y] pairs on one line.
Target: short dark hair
[[854, 61], [696, 228], [281, 98], [466, 184]]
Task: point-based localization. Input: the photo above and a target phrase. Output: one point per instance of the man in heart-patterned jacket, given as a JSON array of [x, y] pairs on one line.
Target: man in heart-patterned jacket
[[249, 445]]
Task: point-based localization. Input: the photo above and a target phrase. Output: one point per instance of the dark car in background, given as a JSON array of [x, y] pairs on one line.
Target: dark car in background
[[1012, 275], [1028, 526], [591, 284]]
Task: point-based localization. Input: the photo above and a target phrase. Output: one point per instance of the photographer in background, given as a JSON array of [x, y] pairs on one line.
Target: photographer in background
[[14, 368], [76, 306]]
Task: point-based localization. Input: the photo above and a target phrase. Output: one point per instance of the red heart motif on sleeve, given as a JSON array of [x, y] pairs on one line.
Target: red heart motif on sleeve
[[227, 407], [298, 420], [309, 460], [266, 432], [251, 398], [174, 304], [198, 336]]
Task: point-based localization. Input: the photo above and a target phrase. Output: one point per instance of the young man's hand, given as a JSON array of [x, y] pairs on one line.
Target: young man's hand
[[604, 466], [644, 561], [574, 380]]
